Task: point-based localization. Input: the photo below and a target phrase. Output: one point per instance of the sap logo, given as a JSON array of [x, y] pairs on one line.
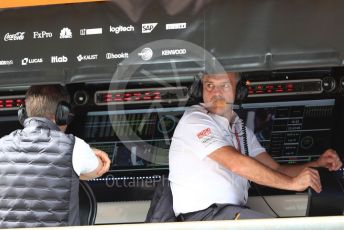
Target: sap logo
[[87, 57], [56, 59], [66, 33], [6, 62], [116, 56], [176, 26], [173, 52], [14, 37], [119, 29], [148, 27], [26, 61], [146, 54], [42, 34]]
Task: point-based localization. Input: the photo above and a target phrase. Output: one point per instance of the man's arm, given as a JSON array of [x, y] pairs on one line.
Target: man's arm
[[329, 159], [260, 173], [103, 166]]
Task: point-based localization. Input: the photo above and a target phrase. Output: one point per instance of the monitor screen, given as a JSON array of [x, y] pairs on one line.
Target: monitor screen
[[291, 131]]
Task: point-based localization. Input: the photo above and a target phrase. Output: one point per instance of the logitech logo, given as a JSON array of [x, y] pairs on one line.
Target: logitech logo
[[148, 27], [120, 29]]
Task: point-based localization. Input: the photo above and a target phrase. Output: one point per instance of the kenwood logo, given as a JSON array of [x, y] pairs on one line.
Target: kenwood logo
[[42, 34], [87, 57], [6, 62], [14, 37], [57, 59], [146, 54], [148, 27], [117, 56], [26, 61], [120, 29], [176, 26], [173, 52]]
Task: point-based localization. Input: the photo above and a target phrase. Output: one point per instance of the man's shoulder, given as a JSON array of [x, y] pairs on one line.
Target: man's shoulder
[[195, 109], [195, 113]]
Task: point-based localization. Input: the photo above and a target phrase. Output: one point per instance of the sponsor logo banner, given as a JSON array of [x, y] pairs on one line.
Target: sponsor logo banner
[[176, 26], [14, 37], [119, 29], [92, 31], [57, 59], [42, 34], [116, 56], [146, 54], [66, 33], [87, 57], [26, 61], [6, 62], [173, 52], [148, 27]]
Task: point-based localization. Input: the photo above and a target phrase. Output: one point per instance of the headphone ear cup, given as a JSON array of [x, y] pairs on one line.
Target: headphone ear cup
[[63, 115], [241, 92], [22, 115]]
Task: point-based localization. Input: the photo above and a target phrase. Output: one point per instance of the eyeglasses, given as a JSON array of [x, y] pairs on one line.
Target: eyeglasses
[[225, 87]]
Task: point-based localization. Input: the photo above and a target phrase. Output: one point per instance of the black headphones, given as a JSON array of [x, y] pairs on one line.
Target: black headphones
[[196, 91], [63, 114]]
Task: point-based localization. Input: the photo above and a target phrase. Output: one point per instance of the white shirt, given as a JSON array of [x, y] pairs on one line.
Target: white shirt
[[196, 180], [84, 159]]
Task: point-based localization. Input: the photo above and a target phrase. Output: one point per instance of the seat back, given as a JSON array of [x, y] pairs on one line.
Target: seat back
[[161, 207], [330, 201], [87, 204]]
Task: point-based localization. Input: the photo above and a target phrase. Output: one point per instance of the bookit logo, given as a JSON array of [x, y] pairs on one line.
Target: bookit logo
[[116, 56], [146, 54], [120, 29], [65, 33], [14, 37], [143, 66], [148, 27]]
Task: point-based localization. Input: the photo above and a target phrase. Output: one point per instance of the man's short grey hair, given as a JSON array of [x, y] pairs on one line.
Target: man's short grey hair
[[42, 100]]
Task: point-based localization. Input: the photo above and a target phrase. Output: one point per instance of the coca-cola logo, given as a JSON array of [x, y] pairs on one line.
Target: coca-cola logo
[[14, 37]]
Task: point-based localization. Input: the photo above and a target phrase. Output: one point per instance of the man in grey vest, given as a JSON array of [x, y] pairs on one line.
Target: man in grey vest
[[40, 165]]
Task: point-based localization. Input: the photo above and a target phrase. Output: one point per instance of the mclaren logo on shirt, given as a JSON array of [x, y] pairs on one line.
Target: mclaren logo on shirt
[[205, 136]]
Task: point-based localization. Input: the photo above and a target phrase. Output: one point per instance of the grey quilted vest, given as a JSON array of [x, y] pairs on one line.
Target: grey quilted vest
[[38, 186]]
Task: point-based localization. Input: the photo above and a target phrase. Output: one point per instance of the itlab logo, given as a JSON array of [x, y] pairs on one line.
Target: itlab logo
[[92, 31], [26, 61], [57, 59], [87, 57], [66, 33], [14, 37], [176, 26], [146, 54], [148, 27]]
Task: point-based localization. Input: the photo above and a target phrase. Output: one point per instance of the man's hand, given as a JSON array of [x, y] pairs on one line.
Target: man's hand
[[307, 178], [103, 157], [330, 160]]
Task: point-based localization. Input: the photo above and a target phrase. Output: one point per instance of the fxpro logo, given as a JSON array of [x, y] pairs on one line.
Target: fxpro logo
[[26, 61], [117, 56], [14, 37], [6, 62], [148, 27], [120, 29], [176, 26], [173, 52], [87, 57], [57, 59], [42, 34]]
